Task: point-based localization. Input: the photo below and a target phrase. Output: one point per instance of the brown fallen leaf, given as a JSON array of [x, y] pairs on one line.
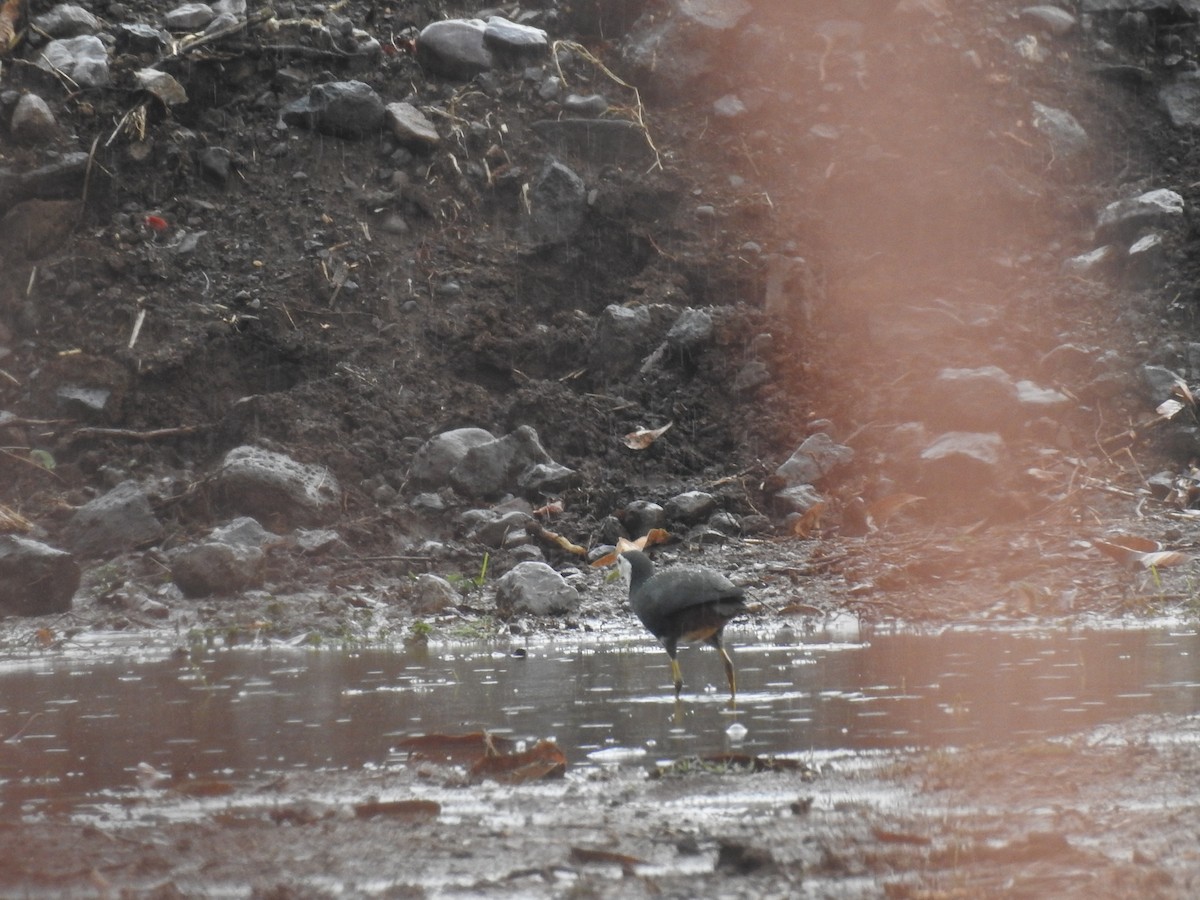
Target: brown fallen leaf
[[457, 747], [1169, 408], [10, 18], [555, 538], [553, 508], [401, 809], [589, 855], [649, 539], [643, 437], [1135, 552], [1163, 559], [809, 523], [883, 509], [543, 760]]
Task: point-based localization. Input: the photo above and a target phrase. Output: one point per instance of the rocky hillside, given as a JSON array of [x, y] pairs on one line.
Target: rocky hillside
[[882, 298]]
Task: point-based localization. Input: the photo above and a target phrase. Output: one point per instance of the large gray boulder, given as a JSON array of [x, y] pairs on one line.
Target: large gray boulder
[[115, 522], [517, 461], [273, 487], [535, 589], [439, 455], [35, 579]]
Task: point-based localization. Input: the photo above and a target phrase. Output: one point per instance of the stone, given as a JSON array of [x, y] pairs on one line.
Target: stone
[[1095, 264], [1127, 219], [691, 331], [495, 467], [141, 38], [1037, 400], [718, 15], [349, 109], [535, 589], [1160, 382], [83, 59], [619, 341], [971, 399], [189, 17], [1061, 130], [1057, 22], [273, 487], [35, 579], [752, 375], [113, 523], [215, 164], [454, 48], [32, 121], [162, 85], [557, 205], [597, 141], [816, 457], [729, 107], [433, 594], [492, 527], [67, 20], [411, 127], [1180, 97], [243, 531], [585, 105], [960, 462], [1145, 260], [217, 568], [513, 39], [439, 455], [546, 479], [642, 516], [799, 498], [690, 507]]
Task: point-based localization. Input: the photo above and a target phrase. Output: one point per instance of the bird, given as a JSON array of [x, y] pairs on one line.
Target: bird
[[683, 603]]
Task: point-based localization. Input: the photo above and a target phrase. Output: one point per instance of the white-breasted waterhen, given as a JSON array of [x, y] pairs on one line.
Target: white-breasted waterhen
[[683, 603]]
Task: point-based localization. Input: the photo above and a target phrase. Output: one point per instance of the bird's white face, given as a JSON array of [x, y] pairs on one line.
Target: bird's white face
[[625, 569]]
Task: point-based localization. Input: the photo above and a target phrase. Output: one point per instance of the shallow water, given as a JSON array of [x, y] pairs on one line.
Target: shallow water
[[80, 723]]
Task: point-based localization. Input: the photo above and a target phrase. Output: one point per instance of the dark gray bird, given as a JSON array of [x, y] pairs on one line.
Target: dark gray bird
[[682, 603]]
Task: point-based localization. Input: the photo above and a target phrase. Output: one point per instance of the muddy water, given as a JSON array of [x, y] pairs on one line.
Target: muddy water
[[81, 723]]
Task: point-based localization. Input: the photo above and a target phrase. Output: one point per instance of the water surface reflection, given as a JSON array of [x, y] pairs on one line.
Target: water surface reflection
[[86, 721]]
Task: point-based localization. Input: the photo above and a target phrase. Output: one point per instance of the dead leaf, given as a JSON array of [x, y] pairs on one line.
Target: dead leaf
[[544, 760], [810, 522], [457, 747], [643, 438], [1170, 408], [553, 537], [882, 510], [1182, 390], [10, 17], [401, 809], [1163, 559], [588, 855], [649, 539], [553, 508]]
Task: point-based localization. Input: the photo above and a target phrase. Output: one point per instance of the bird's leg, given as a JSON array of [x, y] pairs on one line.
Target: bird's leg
[[677, 676], [715, 640]]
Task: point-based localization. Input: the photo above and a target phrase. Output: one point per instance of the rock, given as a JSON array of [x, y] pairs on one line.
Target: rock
[[1145, 261], [597, 141], [691, 507], [35, 579], [754, 374], [718, 15], [410, 127], [1160, 381], [243, 531], [545, 479], [590, 105], [432, 594], [115, 522], [348, 109], [815, 458], [534, 589], [273, 487], [454, 48], [58, 181], [1036, 400], [215, 164], [439, 455], [692, 331], [510, 39], [495, 467], [729, 107], [32, 121], [961, 462], [1125, 219], [217, 568], [1180, 97], [1055, 21], [1063, 132], [1095, 264], [799, 498], [67, 20], [620, 340], [139, 38], [494, 527], [557, 205], [162, 85], [189, 17], [83, 59], [642, 516], [971, 399]]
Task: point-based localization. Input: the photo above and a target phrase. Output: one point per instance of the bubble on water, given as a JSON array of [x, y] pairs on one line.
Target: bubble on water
[[736, 731]]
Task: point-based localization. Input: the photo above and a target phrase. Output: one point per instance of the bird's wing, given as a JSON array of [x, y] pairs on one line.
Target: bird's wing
[[680, 588]]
